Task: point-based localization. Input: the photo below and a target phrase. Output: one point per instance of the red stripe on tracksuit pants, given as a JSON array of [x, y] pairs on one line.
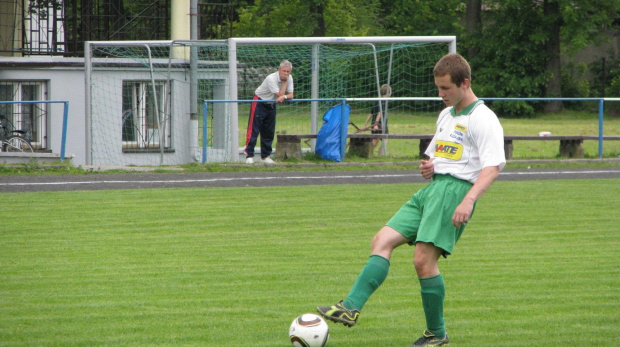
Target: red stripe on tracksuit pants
[[262, 121]]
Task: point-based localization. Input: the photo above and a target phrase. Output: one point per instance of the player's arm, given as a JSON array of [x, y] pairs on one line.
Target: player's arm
[[463, 210], [282, 95], [368, 119], [378, 118]]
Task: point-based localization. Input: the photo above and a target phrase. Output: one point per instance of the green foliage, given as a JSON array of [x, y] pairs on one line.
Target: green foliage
[[36, 168], [290, 18], [612, 76], [575, 85], [510, 59], [42, 7], [353, 18], [270, 18], [583, 22], [610, 87], [423, 18]]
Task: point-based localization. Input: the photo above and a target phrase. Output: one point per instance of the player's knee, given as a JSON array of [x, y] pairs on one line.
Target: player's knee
[[384, 242], [425, 264]]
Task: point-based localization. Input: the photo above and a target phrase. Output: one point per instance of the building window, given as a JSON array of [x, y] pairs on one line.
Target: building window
[[31, 118], [144, 115]]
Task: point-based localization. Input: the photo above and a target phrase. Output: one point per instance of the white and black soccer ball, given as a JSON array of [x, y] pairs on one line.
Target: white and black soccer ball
[[309, 330]]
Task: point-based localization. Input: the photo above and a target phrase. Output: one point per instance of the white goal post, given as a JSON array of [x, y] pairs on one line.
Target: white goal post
[[141, 96], [233, 63]]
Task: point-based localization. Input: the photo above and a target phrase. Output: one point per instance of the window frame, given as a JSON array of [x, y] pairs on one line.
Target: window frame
[[29, 117], [138, 114]]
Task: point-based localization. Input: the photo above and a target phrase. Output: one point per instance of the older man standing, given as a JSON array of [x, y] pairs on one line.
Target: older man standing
[[278, 86]]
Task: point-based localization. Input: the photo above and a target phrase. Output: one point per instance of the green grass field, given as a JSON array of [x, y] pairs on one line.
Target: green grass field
[[539, 265]]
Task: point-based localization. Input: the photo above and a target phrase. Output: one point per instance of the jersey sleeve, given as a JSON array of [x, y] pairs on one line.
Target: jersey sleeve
[[488, 136]]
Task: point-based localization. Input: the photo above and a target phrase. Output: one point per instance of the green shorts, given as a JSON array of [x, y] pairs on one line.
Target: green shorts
[[427, 217]]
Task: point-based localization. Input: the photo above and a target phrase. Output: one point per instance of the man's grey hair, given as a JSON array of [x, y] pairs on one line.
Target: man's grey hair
[[286, 63]]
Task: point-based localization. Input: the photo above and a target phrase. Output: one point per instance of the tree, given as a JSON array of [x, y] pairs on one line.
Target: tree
[[422, 18], [551, 11], [519, 50], [473, 22], [515, 52], [304, 18], [317, 8]]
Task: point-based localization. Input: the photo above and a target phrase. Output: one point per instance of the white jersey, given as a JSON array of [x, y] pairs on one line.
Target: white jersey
[[271, 85], [467, 142]]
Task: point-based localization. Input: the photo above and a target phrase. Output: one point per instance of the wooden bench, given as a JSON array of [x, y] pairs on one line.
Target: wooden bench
[[289, 146], [570, 146]]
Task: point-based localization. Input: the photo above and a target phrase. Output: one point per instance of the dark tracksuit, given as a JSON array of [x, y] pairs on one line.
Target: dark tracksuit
[[262, 121]]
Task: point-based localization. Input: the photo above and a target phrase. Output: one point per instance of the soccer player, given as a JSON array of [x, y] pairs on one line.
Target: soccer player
[[277, 86], [466, 155]]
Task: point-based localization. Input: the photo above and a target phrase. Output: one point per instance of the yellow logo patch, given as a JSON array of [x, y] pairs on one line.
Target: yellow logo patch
[[461, 127], [448, 150]]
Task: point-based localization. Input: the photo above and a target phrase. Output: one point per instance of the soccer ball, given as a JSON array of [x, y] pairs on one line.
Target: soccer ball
[[309, 330]]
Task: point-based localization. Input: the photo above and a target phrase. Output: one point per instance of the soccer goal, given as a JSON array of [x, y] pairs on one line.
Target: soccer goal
[[144, 99]]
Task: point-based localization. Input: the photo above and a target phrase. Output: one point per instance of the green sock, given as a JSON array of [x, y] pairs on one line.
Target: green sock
[[371, 277], [433, 292]]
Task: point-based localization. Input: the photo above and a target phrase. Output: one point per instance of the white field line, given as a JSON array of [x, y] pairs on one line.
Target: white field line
[[207, 180], [268, 178]]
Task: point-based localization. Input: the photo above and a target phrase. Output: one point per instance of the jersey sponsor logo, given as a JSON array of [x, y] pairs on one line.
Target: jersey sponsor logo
[[457, 135], [458, 132], [448, 150]]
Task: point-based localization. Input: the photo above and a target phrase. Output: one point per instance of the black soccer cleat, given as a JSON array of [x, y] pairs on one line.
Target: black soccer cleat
[[429, 339], [339, 314]]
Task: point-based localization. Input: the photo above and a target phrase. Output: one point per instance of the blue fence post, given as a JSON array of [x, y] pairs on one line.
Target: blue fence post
[[343, 129], [204, 132], [65, 117], [601, 110]]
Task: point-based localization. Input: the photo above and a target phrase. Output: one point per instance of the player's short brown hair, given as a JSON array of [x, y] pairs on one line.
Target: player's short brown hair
[[454, 65]]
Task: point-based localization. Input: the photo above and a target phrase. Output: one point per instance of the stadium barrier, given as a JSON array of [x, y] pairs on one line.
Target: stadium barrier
[[289, 145]]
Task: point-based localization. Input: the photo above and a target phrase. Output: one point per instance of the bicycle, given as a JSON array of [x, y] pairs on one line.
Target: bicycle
[[13, 140]]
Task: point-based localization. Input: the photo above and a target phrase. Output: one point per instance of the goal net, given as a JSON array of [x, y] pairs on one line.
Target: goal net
[[145, 99]]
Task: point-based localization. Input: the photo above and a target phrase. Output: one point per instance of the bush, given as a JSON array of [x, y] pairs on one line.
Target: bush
[[575, 85], [605, 75]]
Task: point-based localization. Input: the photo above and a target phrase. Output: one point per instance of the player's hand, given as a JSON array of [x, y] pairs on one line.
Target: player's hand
[[427, 169], [462, 213], [280, 99]]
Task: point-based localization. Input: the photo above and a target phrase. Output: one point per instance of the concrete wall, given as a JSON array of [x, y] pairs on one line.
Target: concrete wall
[[65, 82]]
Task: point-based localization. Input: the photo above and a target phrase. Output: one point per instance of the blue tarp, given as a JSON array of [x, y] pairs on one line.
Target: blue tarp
[[329, 142]]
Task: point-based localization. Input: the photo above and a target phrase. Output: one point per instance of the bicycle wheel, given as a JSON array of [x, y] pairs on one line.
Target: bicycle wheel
[[18, 144]]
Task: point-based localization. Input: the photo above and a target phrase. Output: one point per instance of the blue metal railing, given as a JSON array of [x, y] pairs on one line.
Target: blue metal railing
[[601, 107]]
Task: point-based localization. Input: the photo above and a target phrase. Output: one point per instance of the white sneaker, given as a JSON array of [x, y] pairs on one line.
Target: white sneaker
[[268, 161], [249, 160]]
